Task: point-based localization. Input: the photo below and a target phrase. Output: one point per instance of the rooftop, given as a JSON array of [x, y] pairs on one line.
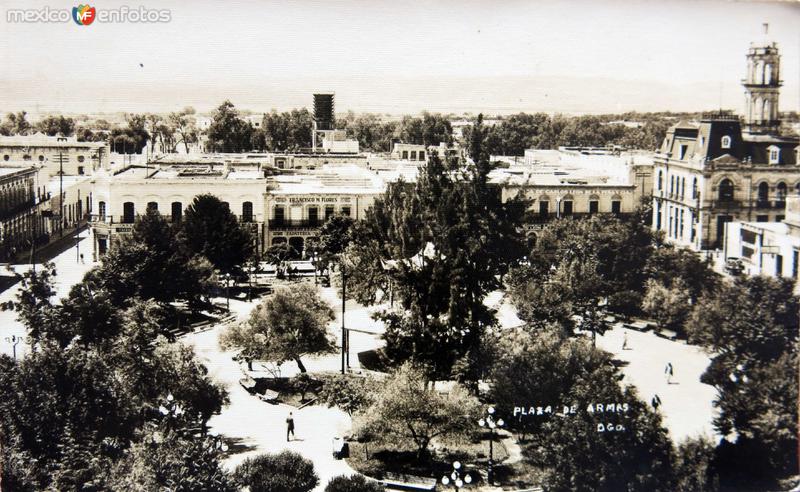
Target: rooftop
[[42, 140]]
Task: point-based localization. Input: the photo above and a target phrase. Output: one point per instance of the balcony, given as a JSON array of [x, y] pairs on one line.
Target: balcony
[[763, 204], [295, 224], [726, 204]]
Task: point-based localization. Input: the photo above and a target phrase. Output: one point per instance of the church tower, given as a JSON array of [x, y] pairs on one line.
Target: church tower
[[762, 87]]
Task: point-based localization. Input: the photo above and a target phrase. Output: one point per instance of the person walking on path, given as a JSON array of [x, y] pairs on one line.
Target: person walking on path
[[625, 341], [669, 372], [656, 401], [289, 426]]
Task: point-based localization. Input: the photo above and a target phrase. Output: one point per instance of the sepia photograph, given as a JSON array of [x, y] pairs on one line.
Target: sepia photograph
[[395, 245]]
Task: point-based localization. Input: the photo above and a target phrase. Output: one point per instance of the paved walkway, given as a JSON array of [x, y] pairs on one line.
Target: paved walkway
[[69, 271], [252, 427]]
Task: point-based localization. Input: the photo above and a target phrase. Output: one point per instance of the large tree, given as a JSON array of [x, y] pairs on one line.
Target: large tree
[[287, 325], [751, 327], [228, 132], [183, 124], [407, 408], [210, 229], [55, 125], [440, 246]]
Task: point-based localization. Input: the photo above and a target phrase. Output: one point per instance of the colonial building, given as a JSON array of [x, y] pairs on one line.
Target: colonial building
[[299, 204], [20, 224], [118, 198], [568, 183], [713, 172], [55, 154]]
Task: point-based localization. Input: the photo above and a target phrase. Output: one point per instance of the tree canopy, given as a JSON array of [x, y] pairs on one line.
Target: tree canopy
[[210, 229]]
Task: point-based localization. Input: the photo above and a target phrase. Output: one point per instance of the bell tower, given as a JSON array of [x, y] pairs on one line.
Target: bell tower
[[762, 87]]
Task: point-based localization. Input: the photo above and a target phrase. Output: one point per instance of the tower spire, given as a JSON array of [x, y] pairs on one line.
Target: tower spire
[[762, 87]]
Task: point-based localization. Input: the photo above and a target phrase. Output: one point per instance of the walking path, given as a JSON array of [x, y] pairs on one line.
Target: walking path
[[69, 271], [251, 426]]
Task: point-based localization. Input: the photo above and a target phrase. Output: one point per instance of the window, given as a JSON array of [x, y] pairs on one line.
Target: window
[[80, 158], [763, 194], [247, 212], [780, 192], [346, 211], [774, 155], [279, 215], [779, 218], [694, 189], [726, 190], [80, 170], [328, 212], [421, 155], [726, 142], [26, 157], [616, 206], [683, 150], [313, 216], [683, 187], [544, 208], [762, 218], [101, 210], [778, 266], [672, 185], [128, 212], [795, 259], [594, 206], [413, 155], [152, 206], [177, 211], [567, 207], [41, 158], [405, 154], [660, 178]]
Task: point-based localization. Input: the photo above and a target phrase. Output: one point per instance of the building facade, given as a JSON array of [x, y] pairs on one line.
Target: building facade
[[709, 173], [768, 248], [119, 198]]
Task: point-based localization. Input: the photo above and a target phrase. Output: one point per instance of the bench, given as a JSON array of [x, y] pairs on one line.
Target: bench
[[269, 396], [642, 326], [668, 334], [399, 481]]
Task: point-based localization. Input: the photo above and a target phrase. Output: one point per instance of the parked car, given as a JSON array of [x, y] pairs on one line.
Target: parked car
[[734, 266]]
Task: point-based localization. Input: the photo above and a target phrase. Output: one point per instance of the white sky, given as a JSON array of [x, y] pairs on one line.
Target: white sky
[[398, 56]]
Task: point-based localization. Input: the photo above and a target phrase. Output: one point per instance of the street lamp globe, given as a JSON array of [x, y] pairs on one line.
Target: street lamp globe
[[446, 480], [468, 479], [457, 465], [490, 410]]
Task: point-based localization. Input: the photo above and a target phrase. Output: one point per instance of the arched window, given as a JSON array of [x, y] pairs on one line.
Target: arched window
[[726, 190], [247, 212], [763, 192], [176, 211], [152, 206], [128, 212], [683, 187], [780, 192], [726, 142], [694, 189], [797, 188], [101, 211], [660, 178]]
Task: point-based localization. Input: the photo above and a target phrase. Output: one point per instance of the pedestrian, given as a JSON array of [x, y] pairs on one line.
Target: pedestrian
[[625, 341], [82, 258], [656, 401], [669, 372], [289, 426]]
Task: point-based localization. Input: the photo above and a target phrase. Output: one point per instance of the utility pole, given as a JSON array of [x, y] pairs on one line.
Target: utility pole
[[345, 349]]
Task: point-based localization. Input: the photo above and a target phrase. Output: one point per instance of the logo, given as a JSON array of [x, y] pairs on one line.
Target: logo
[[83, 15]]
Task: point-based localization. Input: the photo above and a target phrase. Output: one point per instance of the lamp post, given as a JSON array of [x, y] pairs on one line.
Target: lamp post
[[492, 423], [457, 477], [14, 341], [228, 292]]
